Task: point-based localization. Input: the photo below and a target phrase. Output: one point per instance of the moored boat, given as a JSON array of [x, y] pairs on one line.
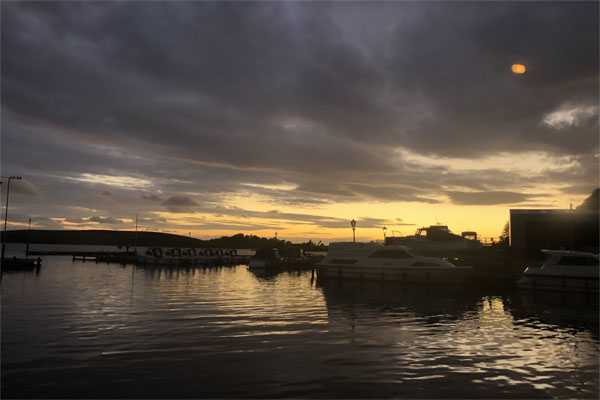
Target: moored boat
[[160, 256], [265, 258], [437, 240], [563, 270], [387, 262]]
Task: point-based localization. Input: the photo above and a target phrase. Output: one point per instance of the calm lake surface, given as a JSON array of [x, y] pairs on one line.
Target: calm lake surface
[[87, 330]]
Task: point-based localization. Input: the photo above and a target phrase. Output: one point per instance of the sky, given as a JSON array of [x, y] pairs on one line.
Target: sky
[[292, 118]]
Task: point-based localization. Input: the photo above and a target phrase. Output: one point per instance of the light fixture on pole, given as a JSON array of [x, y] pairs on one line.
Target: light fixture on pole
[[28, 238], [8, 178], [384, 231], [353, 224]]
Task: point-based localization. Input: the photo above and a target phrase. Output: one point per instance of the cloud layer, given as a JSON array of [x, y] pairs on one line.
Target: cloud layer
[[177, 106]]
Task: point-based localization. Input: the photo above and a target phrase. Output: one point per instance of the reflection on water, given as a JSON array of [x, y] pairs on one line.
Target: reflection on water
[[83, 330]]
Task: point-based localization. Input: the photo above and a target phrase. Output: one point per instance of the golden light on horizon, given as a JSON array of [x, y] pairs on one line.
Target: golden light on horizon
[[518, 69]]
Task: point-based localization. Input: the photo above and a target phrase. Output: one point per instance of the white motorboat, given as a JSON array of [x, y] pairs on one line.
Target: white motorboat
[[569, 271], [387, 262], [439, 241]]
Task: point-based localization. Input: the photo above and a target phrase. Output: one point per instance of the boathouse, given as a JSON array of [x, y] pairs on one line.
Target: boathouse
[[533, 230]]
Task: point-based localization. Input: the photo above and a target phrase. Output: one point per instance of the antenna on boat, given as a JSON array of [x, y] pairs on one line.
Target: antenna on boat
[[571, 224]]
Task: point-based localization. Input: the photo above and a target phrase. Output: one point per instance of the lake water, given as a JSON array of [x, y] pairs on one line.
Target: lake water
[[87, 330]]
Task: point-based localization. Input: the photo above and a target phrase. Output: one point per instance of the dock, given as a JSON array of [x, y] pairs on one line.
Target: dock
[[122, 257], [19, 264]]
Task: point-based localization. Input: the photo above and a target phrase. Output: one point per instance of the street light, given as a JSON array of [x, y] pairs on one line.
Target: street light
[[28, 238], [8, 178], [384, 231], [353, 223]]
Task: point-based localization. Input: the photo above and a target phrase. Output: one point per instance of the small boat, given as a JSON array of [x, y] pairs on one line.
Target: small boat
[[265, 258], [562, 270], [439, 241], [387, 262]]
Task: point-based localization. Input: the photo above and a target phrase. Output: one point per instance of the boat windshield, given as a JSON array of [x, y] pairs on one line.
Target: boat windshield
[[578, 261]]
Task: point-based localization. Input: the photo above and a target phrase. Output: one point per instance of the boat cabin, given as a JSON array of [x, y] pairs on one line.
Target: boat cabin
[[267, 254], [437, 233], [155, 252], [189, 253], [173, 253]]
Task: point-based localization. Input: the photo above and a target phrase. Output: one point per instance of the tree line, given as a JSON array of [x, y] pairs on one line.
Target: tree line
[[151, 239]]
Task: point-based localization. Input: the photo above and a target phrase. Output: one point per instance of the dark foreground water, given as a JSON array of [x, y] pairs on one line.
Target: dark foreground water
[[86, 330]]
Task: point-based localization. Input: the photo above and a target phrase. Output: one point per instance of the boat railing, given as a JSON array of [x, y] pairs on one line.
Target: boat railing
[[489, 241]]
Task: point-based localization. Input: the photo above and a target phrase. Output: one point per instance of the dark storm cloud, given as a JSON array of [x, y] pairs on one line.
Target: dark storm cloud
[[461, 70], [180, 204], [152, 197], [579, 189], [200, 97], [489, 198]]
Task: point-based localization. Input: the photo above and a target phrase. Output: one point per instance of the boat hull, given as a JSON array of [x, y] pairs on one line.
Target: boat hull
[[454, 275], [559, 283], [436, 248], [259, 264]]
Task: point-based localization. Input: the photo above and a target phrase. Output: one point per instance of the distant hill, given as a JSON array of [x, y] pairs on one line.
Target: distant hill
[[147, 239], [101, 237]]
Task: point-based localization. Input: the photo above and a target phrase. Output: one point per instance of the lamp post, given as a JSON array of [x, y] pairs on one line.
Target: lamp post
[[384, 231], [28, 238], [8, 178], [353, 224]]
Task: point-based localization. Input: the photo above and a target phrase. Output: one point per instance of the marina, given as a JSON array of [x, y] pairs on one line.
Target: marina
[[300, 199]]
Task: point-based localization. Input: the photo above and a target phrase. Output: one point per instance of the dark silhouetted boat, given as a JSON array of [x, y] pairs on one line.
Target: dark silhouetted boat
[[437, 240]]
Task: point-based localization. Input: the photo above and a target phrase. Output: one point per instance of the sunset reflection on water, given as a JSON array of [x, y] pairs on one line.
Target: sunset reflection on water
[[226, 332]]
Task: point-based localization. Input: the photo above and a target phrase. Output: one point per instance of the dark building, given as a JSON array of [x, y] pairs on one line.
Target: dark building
[[532, 230]]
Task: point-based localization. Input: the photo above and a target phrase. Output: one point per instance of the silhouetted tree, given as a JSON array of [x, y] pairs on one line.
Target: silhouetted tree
[[591, 203], [504, 236]]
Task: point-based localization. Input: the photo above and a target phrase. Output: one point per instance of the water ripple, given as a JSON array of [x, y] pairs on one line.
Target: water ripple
[[93, 330]]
